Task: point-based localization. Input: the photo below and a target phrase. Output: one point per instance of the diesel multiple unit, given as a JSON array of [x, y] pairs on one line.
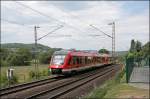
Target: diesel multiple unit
[[68, 61]]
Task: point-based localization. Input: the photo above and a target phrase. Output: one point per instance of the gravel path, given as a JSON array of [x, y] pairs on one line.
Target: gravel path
[[140, 77]]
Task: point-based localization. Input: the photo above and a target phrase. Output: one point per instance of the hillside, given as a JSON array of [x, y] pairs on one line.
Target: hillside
[[14, 46], [121, 53]]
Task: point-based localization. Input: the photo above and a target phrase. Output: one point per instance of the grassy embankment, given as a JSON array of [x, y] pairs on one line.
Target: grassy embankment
[[22, 73], [118, 88]]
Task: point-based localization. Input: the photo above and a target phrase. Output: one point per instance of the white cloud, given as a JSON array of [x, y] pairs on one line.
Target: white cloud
[[77, 24]]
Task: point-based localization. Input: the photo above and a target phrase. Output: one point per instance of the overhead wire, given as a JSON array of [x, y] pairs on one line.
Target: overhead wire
[[50, 32], [61, 21], [55, 19], [26, 6], [12, 22], [87, 24]]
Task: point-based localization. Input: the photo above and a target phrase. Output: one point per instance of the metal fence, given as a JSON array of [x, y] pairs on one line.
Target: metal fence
[[129, 68]]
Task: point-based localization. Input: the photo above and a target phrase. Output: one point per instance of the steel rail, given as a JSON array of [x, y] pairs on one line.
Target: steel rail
[[78, 85], [24, 86], [65, 84]]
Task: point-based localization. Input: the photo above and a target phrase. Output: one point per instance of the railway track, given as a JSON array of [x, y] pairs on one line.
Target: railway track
[[53, 88], [24, 86], [57, 91]]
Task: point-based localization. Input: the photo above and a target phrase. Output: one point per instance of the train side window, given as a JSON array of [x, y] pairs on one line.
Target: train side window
[[85, 59], [78, 60], [70, 61], [83, 62], [74, 60]]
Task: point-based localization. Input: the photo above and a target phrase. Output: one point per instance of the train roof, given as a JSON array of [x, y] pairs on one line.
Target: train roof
[[61, 52], [80, 53]]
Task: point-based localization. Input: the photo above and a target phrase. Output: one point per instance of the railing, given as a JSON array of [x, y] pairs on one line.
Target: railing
[[129, 68]]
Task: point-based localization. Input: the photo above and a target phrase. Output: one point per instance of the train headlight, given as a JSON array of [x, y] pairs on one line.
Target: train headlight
[[50, 70]]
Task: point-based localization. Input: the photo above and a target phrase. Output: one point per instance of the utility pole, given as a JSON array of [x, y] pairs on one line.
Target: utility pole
[[36, 52], [112, 37], [113, 40], [36, 47]]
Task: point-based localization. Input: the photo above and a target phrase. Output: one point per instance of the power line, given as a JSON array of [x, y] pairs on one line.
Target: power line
[[100, 31], [86, 24], [61, 36], [46, 15], [50, 32], [12, 22], [36, 11]]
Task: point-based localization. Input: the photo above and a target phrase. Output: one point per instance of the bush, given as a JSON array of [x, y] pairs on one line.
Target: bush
[[32, 74], [5, 82], [119, 76], [4, 63], [14, 80], [102, 91], [45, 73]]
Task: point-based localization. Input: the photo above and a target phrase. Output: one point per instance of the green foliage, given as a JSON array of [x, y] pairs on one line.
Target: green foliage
[[45, 57], [138, 46], [103, 51], [99, 93], [14, 80], [19, 54], [30, 47], [5, 82], [130, 55], [21, 57], [4, 63], [33, 74], [132, 48], [24, 56], [139, 53], [45, 72], [120, 76], [4, 54]]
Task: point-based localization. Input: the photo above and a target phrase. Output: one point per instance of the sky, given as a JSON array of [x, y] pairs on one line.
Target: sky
[[74, 18]]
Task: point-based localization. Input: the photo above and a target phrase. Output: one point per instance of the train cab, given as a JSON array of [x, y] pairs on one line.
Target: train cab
[[58, 62]]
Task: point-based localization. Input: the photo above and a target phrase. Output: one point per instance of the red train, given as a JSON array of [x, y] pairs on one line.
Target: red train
[[68, 61]]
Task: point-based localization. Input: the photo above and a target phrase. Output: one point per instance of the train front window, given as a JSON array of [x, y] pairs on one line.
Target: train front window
[[58, 59]]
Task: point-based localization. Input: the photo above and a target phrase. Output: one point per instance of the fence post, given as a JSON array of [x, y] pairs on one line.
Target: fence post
[[129, 68], [127, 71]]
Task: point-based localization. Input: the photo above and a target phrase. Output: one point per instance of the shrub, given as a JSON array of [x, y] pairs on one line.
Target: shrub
[[31, 74], [45, 73], [5, 82], [14, 80]]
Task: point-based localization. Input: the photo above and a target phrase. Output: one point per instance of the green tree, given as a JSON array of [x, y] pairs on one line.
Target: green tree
[[45, 57], [13, 59], [138, 46], [103, 51], [4, 53], [132, 47], [24, 56], [130, 55], [21, 57]]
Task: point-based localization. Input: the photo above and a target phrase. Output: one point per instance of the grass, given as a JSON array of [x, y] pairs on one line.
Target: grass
[[118, 88], [124, 90], [22, 72]]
